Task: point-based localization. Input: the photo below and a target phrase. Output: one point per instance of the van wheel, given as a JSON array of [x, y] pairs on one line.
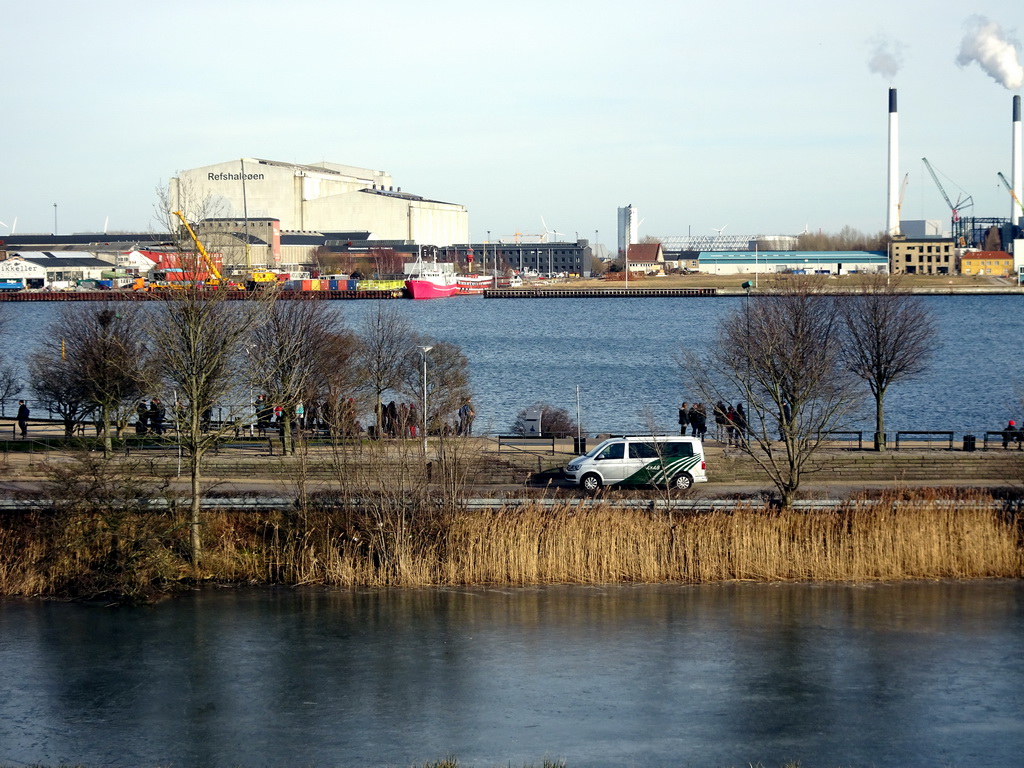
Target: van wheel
[[681, 482], [590, 483]]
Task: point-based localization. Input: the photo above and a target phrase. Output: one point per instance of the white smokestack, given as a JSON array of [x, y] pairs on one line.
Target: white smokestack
[[1016, 171], [892, 219]]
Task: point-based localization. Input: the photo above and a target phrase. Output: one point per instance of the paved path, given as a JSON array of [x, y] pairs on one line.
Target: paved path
[[256, 467]]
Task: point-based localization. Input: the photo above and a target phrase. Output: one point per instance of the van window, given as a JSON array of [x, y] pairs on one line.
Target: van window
[[676, 450], [613, 451], [642, 451]]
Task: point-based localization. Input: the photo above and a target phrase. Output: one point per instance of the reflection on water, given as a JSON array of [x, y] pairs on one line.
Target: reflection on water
[[911, 674]]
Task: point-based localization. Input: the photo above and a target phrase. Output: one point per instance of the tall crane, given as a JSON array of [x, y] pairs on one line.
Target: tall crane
[[961, 203], [217, 277], [1010, 190], [899, 203]]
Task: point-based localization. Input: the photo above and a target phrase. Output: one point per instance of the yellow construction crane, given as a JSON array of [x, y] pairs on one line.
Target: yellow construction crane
[[1010, 190], [217, 278]]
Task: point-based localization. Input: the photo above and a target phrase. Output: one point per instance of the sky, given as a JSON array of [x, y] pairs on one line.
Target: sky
[[764, 118]]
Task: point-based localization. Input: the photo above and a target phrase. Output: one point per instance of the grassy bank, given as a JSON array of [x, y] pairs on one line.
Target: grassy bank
[[124, 553]]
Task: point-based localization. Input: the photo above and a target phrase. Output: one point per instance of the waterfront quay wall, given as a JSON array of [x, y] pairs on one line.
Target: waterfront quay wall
[[168, 295], [722, 292]]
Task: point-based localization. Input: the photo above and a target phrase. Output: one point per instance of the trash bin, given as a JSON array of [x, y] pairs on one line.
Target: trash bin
[[579, 444], [970, 443]]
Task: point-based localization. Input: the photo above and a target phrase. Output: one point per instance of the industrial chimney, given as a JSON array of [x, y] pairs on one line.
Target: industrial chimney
[[1015, 168], [892, 219]]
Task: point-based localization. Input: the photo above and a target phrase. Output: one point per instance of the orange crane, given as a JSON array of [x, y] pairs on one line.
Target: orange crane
[[218, 279]]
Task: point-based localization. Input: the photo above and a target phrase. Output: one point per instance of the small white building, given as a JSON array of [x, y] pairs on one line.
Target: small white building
[[789, 262], [39, 269]]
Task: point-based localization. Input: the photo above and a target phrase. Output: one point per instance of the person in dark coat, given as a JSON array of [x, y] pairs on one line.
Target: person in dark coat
[[741, 424], [23, 418], [730, 425], [700, 426], [1012, 435], [142, 417], [684, 418], [157, 414], [692, 418], [721, 419]]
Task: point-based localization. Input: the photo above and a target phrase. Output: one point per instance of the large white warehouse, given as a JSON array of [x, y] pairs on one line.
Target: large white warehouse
[[322, 197]]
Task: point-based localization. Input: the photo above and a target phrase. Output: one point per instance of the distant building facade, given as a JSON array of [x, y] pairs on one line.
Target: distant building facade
[[793, 262], [553, 258], [987, 264], [322, 197], [922, 256], [629, 228], [646, 258]]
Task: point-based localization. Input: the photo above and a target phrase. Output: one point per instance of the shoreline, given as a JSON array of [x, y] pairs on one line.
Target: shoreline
[[668, 286]]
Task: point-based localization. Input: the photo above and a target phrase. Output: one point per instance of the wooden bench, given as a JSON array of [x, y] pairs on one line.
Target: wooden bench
[[524, 443]]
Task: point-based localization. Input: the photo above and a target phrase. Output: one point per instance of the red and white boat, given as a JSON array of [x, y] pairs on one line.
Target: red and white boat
[[430, 279], [471, 284]]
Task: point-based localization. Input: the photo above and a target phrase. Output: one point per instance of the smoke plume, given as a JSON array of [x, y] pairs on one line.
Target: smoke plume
[[886, 57], [986, 44]]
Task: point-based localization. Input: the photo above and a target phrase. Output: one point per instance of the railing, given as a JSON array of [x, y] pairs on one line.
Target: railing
[[1003, 437], [926, 435], [521, 442], [858, 435]]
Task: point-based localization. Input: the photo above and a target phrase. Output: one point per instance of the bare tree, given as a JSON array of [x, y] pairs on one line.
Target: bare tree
[[847, 239], [106, 351], [781, 354], [288, 350], [447, 380], [337, 385], [891, 335], [553, 421], [199, 337], [386, 341], [10, 384], [56, 386]]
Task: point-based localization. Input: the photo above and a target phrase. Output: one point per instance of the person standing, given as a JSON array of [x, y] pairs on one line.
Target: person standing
[[157, 414], [740, 420], [700, 425], [730, 426], [23, 418], [684, 418]]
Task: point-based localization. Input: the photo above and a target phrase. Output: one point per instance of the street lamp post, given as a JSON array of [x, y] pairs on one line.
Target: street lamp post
[[423, 354]]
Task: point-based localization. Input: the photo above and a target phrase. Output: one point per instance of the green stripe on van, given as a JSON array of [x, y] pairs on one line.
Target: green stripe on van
[[660, 471]]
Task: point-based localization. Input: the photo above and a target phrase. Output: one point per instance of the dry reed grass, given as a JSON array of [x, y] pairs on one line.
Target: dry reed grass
[[391, 542]]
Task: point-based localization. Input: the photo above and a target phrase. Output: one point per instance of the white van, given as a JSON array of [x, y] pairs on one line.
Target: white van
[[665, 460]]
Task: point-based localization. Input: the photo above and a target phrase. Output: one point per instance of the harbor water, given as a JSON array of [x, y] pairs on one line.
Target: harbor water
[[916, 674], [622, 354]]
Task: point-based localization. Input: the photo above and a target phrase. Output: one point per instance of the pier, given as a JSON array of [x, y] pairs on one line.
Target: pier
[[595, 293]]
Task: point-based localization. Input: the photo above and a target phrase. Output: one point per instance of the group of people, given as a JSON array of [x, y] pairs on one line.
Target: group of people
[[398, 419], [150, 418], [694, 417], [730, 422]]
